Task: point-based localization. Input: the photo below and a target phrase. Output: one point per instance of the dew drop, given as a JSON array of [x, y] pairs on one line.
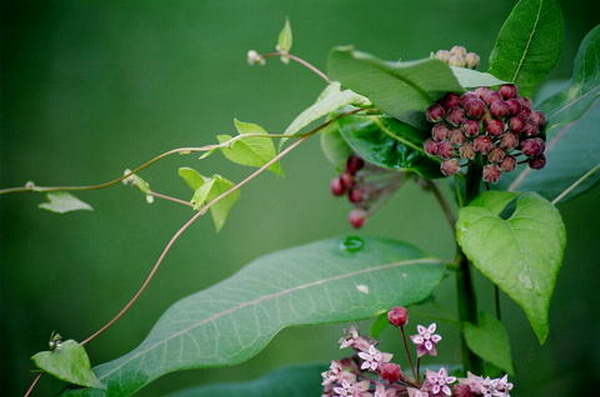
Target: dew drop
[[352, 244]]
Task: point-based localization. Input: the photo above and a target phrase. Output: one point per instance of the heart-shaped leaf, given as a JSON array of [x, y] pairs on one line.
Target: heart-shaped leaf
[[211, 189], [63, 202], [293, 381], [232, 321], [401, 89], [517, 241], [529, 44], [68, 362], [489, 340], [389, 143], [191, 177]]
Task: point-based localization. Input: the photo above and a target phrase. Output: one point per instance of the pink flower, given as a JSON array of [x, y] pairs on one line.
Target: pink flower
[[373, 358], [353, 389], [499, 387], [353, 340], [412, 392], [426, 340], [439, 382], [382, 391]]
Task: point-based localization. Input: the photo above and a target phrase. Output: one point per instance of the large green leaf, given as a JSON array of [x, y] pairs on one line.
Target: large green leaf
[[401, 89], [63, 202], [573, 139], [529, 44], [294, 381], [517, 241], [469, 78], [327, 281], [389, 143], [68, 362], [254, 151], [489, 340]]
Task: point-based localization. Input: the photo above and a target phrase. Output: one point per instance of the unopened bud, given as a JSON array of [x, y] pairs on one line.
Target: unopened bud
[[496, 155], [491, 173], [538, 117], [398, 316], [482, 144], [491, 97], [456, 137], [430, 147], [508, 164], [494, 127], [455, 116], [514, 107], [508, 91], [537, 162], [530, 128], [516, 124], [467, 151], [533, 147], [357, 217], [450, 101], [444, 149], [439, 132], [348, 180], [457, 60], [337, 186], [443, 55], [509, 141], [474, 108], [435, 113], [470, 127], [356, 195], [458, 50], [254, 58], [391, 372], [354, 164], [450, 167], [499, 109], [472, 60]]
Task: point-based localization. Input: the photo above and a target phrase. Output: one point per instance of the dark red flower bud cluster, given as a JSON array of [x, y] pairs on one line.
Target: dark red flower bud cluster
[[488, 126], [355, 183]]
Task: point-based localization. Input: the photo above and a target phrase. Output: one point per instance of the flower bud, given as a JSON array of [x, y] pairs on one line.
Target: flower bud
[[443, 55], [456, 137], [499, 109], [467, 96], [508, 91], [525, 102], [482, 91], [337, 186], [530, 128], [474, 108], [538, 117], [491, 97], [398, 316], [509, 141], [525, 112], [516, 124], [494, 127], [472, 60], [391, 372], [537, 162], [533, 147], [357, 217], [470, 127], [455, 116], [430, 147], [348, 180], [354, 164], [356, 195], [439, 132], [450, 167], [491, 173], [514, 107], [444, 149], [463, 390], [483, 144], [435, 113], [457, 60], [254, 58], [450, 101], [496, 155], [508, 164], [458, 50], [467, 151]]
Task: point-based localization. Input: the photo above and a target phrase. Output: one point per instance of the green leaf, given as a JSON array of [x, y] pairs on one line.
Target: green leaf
[[254, 151], [232, 321], [381, 323], [285, 41], [517, 241], [401, 89], [489, 341], [331, 99], [529, 44], [293, 381], [469, 78], [136, 181], [62, 202], [389, 143], [191, 177], [334, 146], [68, 362], [211, 189]]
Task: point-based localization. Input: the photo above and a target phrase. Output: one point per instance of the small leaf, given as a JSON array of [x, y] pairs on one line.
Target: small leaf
[[284, 43], [191, 177], [489, 341], [235, 319], [62, 202], [334, 146], [254, 151], [522, 254], [331, 99], [212, 189], [389, 143], [401, 89], [136, 181], [293, 381], [529, 44], [68, 362], [470, 78]]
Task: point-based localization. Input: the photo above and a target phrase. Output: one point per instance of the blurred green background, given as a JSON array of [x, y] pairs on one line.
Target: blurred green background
[[90, 88]]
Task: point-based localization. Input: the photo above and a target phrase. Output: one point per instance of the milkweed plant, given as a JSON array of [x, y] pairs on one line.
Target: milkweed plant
[[505, 160]]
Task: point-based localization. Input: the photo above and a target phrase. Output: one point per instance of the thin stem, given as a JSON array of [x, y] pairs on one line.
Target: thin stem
[[33, 384], [196, 216], [169, 198], [301, 61], [418, 380], [443, 204], [575, 184], [408, 355], [497, 301]]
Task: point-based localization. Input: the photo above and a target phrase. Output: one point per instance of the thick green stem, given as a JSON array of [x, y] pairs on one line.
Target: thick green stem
[[467, 301]]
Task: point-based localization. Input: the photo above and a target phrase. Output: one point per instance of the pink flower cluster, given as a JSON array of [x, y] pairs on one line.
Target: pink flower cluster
[[490, 127], [369, 372]]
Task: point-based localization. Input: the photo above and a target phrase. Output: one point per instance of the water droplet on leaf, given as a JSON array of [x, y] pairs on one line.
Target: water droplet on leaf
[[352, 244]]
